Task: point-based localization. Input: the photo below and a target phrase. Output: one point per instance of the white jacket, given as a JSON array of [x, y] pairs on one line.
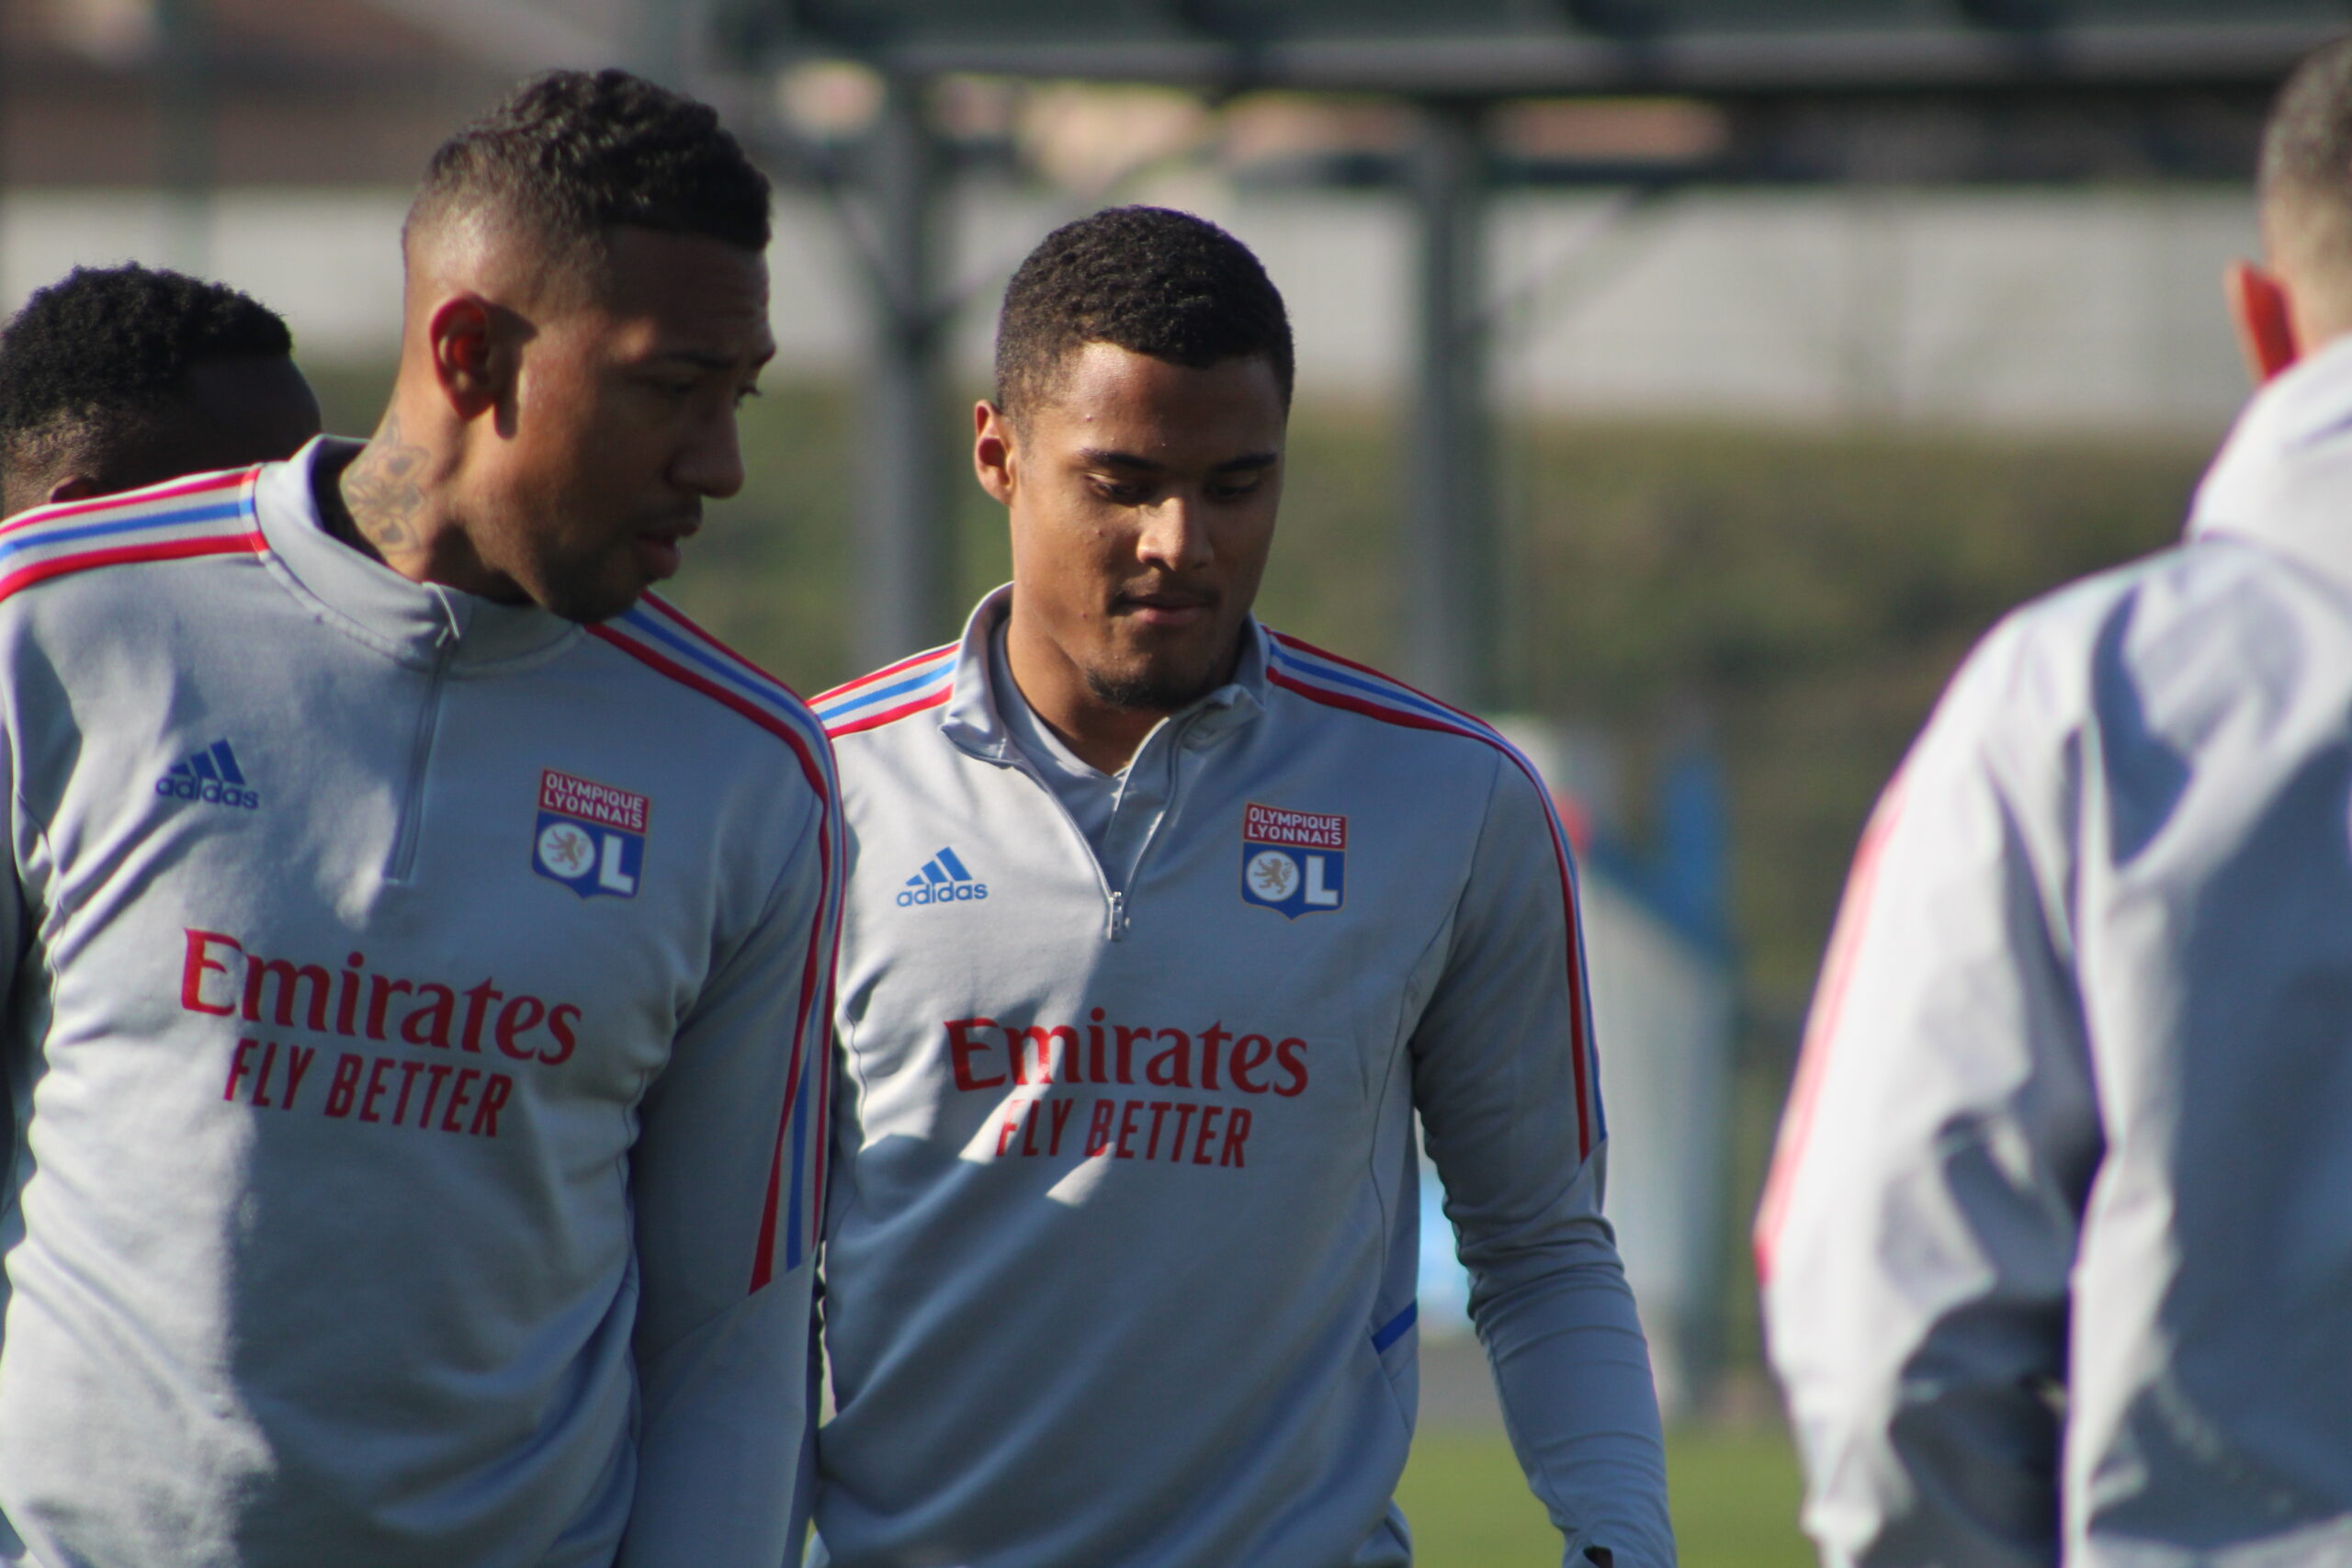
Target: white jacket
[[2058, 1243], [414, 1038], [1121, 1256]]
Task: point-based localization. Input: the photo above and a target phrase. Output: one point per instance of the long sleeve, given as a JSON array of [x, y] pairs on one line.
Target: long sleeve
[[1506, 1082], [1921, 1218], [725, 1179]]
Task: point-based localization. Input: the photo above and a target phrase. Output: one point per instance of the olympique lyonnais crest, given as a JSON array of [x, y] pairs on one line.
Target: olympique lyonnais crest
[[1296, 861], [590, 837]]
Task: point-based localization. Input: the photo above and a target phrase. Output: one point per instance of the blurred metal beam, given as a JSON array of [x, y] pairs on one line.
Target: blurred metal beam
[[905, 545], [1682, 53], [1450, 583], [526, 36], [185, 102], [661, 40]]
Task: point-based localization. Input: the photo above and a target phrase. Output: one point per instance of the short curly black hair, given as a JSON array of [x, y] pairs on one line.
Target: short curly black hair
[[573, 154], [109, 347], [1146, 279]]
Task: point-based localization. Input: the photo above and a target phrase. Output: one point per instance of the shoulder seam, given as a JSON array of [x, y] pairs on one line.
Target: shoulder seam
[[855, 682], [924, 682], [883, 720], [767, 703], [35, 518], [58, 542], [1397, 703], [1413, 710]]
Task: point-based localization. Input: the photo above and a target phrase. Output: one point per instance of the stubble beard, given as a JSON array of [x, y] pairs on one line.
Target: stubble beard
[[1153, 690]]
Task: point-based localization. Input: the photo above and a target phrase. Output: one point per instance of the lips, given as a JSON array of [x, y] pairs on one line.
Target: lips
[[1166, 606], [657, 548]]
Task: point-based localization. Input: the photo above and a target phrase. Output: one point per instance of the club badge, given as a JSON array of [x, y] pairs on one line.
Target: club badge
[[1293, 861], [590, 837]]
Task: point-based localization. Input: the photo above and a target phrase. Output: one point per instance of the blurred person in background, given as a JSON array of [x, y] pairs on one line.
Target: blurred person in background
[[417, 935], [2057, 1246], [122, 376], [1161, 926]]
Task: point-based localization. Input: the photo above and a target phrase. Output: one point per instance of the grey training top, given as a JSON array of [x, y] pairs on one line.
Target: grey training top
[[414, 1038], [2058, 1240], [1105, 811], [1122, 1249]]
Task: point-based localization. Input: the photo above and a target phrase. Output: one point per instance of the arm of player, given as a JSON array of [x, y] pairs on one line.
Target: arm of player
[[725, 1179], [1920, 1221], [1504, 1077]]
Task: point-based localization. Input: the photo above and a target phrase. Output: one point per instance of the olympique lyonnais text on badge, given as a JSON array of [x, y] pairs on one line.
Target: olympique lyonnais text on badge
[[1293, 861], [590, 836], [1306, 829]]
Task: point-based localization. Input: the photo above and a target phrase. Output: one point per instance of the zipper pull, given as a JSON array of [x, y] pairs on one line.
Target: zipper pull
[[1118, 917]]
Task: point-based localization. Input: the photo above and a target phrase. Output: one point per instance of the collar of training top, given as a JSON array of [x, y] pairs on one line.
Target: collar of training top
[[2284, 477], [970, 720], [416, 623]]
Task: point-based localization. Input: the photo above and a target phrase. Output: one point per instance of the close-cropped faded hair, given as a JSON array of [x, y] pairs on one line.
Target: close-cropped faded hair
[[571, 156], [2306, 175], [1146, 279]]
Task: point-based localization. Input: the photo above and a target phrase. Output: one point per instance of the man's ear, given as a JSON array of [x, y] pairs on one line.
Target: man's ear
[[471, 366], [73, 487], [993, 450], [2264, 318]]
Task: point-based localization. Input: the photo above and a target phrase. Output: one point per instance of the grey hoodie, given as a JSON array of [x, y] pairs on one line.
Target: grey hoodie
[[2058, 1243]]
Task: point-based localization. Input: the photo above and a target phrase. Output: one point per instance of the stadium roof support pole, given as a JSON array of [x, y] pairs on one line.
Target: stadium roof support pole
[[184, 130], [1449, 554], [661, 40], [904, 542]]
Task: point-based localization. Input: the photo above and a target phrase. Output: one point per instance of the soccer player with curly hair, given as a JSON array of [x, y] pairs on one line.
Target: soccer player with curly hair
[[115, 378]]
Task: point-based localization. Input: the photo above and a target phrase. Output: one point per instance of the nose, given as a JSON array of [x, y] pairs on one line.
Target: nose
[[710, 462], [1175, 536]]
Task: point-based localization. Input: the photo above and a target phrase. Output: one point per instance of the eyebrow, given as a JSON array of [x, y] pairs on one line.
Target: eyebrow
[[707, 361], [1104, 457]]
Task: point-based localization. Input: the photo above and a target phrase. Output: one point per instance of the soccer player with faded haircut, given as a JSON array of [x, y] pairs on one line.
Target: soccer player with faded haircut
[[116, 378], [1160, 927], [2058, 1243], [419, 933]]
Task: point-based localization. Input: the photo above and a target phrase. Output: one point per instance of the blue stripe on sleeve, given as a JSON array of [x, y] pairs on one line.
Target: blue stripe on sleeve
[[1388, 1333], [833, 711], [42, 538]]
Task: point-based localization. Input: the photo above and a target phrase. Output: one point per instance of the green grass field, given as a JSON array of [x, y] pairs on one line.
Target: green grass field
[[1733, 1492]]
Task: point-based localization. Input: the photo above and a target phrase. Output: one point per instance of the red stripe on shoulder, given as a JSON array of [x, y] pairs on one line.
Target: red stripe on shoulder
[[122, 555], [1404, 717], [1472, 730], [886, 672], [888, 715], [1305, 646], [685, 623], [174, 490], [812, 980], [663, 664]]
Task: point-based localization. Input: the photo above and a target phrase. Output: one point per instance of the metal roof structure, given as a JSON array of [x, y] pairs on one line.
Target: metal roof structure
[[1486, 49]]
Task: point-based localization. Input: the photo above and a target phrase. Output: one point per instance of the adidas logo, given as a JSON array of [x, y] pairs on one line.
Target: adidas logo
[[211, 776], [942, 880]]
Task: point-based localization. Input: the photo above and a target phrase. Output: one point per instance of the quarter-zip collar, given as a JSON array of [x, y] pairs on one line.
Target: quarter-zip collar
[[970, 719], [417, 624], [2285, 470]]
